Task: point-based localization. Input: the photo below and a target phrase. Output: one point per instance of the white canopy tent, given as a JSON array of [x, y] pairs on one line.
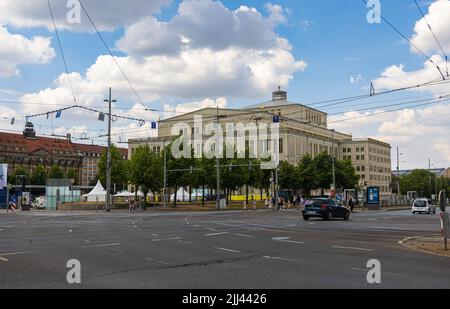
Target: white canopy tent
[[98, 194], [182, 195], [128, 194]]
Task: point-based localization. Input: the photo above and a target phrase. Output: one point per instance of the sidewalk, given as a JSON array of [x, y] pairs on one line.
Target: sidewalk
[[431, 244]]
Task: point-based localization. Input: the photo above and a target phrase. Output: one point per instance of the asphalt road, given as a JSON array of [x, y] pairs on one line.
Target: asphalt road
[[252, 249]]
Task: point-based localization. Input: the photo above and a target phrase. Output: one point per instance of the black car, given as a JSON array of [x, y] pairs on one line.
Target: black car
[[325, 208]]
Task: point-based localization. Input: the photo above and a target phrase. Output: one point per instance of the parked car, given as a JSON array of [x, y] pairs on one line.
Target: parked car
[[39, 202], [423, 205], [325, 208]]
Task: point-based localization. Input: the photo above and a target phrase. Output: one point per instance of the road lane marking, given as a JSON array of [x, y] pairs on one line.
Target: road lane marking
[[215, 234], [16, 253], [279, 258], [352, 248], [3, 259], [287, 239], [103, 245], [244, 235], [229, 250], [116, 250], [210, 229], [171, 238]]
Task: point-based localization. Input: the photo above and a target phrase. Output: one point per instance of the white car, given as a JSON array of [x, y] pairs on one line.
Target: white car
[[423, 205]]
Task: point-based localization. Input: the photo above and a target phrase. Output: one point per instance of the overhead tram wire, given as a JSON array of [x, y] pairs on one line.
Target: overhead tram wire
[[333, 102], [62, 51], [389, 105], [435, 37], [410, 42], [389, 111], [112, 55]]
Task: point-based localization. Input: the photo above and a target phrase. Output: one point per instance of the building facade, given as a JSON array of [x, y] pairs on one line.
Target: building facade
[[30, 151], [303, 130]]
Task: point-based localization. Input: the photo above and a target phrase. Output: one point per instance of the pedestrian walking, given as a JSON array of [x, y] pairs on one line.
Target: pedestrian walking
[[254, 204], [245, 205], [266, 203]]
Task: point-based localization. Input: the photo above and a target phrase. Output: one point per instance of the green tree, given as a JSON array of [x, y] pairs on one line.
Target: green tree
[[308, 174], [146, 170], [72, 174], [119, 168], [346, 176], [323, 168], [55, 172], [39, 176], [289, 177], [20, 170]]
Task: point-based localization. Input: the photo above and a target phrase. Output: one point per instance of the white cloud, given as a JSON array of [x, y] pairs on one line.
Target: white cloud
[[438, 18], [204, 24], [16, 50], [107, 15], [356, 79], [171, 111], [420, 133]]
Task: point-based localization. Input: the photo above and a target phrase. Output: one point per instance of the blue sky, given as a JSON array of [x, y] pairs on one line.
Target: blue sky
[[333, 38]]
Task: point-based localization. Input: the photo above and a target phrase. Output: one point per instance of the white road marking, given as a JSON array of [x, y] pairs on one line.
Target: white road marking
[[229, 250], [3, 259], [352, 248], [209, 228], [279, 258], [87, 241], [155, 235], [243, 235], [16, 253], [103, 245], [116, 250], [196, 226], [215, 234], [162, 239], [286, 239]]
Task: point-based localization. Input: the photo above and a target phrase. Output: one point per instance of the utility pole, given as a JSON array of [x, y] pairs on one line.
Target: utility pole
[[333, 159], [217, 162], [429, 176], [398, 171], [108, 156], [165, 177]]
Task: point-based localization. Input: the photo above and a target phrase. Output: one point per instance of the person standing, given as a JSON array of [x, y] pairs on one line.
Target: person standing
[[351, 203]]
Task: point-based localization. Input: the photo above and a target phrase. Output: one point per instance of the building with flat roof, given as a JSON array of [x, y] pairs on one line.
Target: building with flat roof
[[303, 130]]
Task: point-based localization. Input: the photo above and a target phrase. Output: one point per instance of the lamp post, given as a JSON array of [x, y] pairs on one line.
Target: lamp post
[[108, 156]]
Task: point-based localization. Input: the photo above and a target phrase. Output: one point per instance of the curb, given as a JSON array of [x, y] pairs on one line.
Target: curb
[[404, 242]]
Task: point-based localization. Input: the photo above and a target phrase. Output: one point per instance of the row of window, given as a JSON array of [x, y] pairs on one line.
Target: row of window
[[379, 151], [357, 157], [349, 150]]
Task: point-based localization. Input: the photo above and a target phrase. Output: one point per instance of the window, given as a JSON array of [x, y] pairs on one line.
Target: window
[[349, 150], [362, 149], [362, 157], [357, 157], [280, 145], [357, 149], [344, 150], [358, 168], [363, 168]]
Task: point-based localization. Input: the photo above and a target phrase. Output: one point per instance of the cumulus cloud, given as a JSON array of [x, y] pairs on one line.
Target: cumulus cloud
[[16, 50], [419, 133], [356, 79], [107, 16], [438, 18], [171, 111], [190, 29]]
